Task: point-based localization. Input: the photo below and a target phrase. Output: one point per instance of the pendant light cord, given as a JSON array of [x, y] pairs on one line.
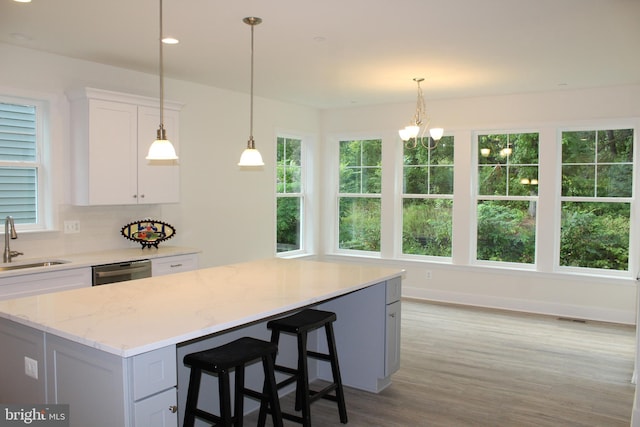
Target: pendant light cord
[[251, 94], [161, 77]]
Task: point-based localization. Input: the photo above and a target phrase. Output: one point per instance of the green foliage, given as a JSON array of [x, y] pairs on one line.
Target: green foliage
[[426, 227], [288, 223], [359, 224], [595, 235], [506, 232]]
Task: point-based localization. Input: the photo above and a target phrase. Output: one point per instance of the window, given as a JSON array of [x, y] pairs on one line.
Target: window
[[427, 199], [289, 195], [360, 182], [507, 197], [19, 162], [597, 189]]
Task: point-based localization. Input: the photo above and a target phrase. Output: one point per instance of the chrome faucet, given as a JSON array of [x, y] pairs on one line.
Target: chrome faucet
[[9, 232]]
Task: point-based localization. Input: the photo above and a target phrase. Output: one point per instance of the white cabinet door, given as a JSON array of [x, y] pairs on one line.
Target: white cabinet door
[[157, 411], [158, 181], [111, 135], [112, 161]]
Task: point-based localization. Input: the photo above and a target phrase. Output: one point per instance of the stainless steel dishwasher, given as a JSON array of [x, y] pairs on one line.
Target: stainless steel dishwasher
[[120, 272]]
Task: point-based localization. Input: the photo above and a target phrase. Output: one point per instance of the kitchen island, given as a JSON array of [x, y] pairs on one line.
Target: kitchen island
[[114, 353]]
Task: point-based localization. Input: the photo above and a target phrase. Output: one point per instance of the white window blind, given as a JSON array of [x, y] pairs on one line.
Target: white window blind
[[18, 163]]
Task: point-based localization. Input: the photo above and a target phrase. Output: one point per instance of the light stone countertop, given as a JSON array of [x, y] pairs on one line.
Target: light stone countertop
[[134, 317], [93, 258]]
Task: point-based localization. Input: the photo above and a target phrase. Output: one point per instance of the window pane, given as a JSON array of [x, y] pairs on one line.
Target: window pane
[[18, 194], [289, 165], [359, 226], [426, 227], [578, 181], [607, 174], [523, 181], [615, 146], [505, 160], [579, 147], [288, 227], [615, 180], [17, 132], [491, 149], [595, 235], [360, 166], [428, 170], [441, 180], [506, 231]]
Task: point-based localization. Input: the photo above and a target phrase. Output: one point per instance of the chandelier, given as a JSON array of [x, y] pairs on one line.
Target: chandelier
[[419, 123]]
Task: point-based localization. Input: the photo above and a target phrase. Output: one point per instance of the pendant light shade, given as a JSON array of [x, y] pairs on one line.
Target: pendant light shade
[[251, 156], [162, 148]]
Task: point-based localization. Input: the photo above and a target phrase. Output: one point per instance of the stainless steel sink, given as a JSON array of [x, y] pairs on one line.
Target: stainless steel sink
[[20, 266]]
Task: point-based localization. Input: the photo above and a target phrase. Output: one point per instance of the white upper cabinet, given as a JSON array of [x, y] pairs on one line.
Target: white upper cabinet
[[111, 134]]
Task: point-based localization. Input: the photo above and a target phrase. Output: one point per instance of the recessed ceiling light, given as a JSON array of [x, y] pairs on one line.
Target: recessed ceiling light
[[170, 40], [22, 1]]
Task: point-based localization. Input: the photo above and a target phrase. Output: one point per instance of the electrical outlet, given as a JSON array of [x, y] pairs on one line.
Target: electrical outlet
[[72, 226], [31, 367], [427, 274]]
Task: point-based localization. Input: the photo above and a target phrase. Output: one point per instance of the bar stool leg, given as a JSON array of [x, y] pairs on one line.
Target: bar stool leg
[[303, 402], [271, 388], [239, 397], [224, 388], [335, 370], [192, 397]]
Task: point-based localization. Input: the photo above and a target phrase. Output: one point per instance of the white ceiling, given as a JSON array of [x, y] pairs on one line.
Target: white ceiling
[[337, 53]]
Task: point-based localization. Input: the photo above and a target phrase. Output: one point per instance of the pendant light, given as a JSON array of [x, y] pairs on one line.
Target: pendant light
[[251, 156], [161, 149], [420, 122]]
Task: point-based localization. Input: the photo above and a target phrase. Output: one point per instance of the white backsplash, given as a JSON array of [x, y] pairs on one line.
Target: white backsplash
[[99, 230]]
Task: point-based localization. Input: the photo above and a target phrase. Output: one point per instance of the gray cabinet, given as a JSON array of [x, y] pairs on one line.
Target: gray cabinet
[[137, 391], [392, 323], [368, 325]]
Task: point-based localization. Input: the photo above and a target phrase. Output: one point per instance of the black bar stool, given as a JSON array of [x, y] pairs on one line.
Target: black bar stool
[[301, 324], [220, 360]]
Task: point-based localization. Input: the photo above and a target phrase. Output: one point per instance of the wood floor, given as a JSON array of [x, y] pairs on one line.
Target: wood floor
[[465, 366]]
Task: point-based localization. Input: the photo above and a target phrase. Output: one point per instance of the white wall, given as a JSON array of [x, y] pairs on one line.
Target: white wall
[[229, 214], [225, 212], [543, 291]]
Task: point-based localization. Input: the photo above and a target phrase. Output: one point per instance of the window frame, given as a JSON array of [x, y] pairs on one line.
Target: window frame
[[43, 213], [307, 238], [333, 246], [476, 197], [402, 196], [633, 200]]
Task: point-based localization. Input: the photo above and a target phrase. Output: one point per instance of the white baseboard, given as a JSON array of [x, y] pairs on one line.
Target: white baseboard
[[524, 305]]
